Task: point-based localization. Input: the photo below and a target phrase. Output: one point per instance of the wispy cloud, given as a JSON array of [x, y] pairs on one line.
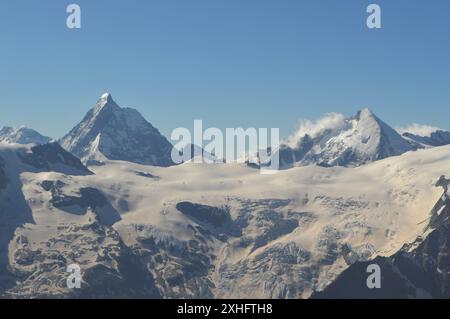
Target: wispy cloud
[[331, 121], [418, 129]]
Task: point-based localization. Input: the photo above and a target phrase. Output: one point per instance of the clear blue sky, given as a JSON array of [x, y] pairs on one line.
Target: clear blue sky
[[250, 63]]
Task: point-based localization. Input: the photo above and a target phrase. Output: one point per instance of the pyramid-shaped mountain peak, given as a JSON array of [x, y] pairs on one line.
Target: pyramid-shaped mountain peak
[[110, 132]]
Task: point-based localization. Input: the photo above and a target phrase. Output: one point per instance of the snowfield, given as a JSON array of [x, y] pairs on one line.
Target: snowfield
[[203, 231]]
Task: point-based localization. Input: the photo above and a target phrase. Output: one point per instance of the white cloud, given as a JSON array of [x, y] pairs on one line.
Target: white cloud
[[418, 129], [331, 121]]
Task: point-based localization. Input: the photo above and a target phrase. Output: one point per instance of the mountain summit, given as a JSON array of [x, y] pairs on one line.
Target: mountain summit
[[109, 131], [339, 141]]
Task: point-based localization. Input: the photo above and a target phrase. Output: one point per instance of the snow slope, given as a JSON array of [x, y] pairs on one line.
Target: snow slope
[[196, 230]]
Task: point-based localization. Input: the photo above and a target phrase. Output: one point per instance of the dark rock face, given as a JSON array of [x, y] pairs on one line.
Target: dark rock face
[[216, 220], [146, 174], [90, 198], [440, 214], [351, 284], [289, 156], [3, 178], [203, 213], [54, 186], [52, 157]]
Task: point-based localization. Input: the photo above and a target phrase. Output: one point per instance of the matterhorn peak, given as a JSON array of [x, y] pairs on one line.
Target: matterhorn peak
[[105, 101], [365, 113], [107, 97], [366, 110], [111, 132]]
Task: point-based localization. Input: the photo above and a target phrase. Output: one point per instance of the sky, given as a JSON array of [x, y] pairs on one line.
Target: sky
[[230, 63]]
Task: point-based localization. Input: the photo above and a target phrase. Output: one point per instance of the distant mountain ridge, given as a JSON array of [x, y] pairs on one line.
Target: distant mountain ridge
[[110, 132], [22, 135], [437, 138]]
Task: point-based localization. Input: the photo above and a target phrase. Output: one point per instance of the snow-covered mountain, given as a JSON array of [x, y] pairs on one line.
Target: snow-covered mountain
[[111, 132], [22, 135], [339, 141]]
